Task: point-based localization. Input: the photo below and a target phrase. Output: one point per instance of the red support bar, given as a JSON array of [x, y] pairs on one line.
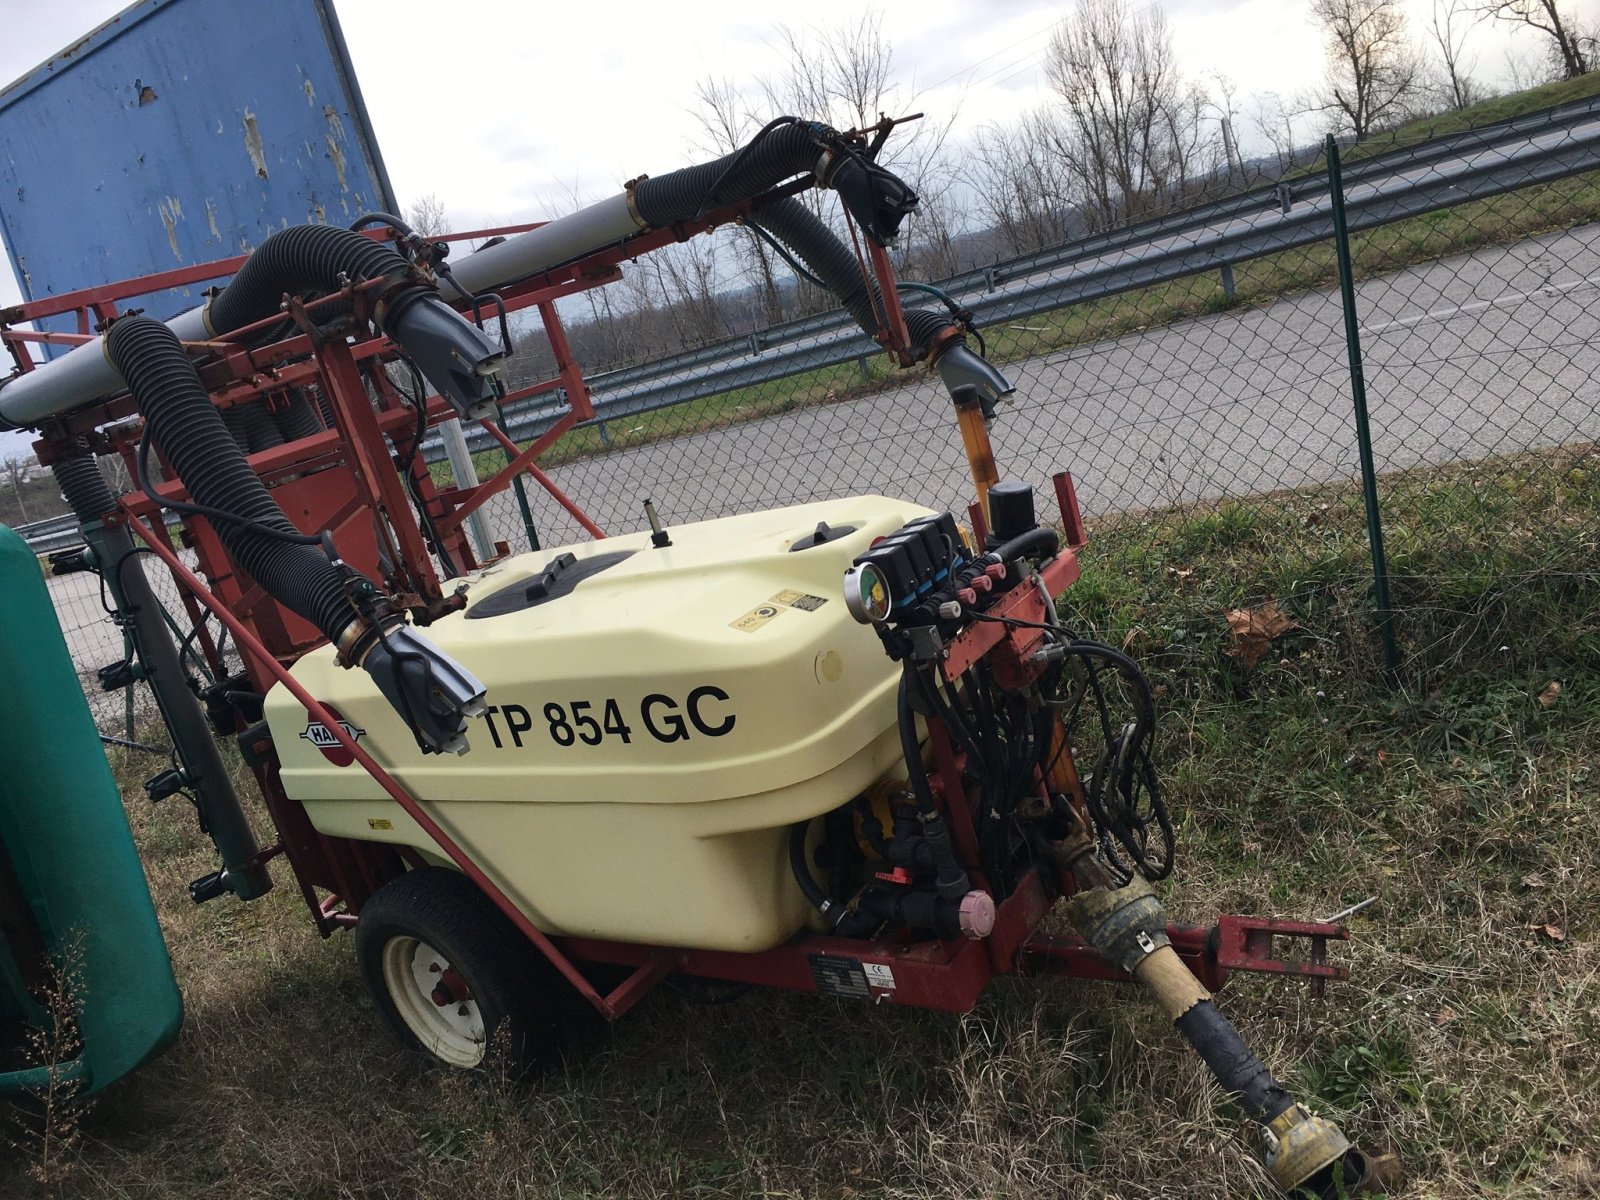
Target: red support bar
[[522, 460], [567, 366], [1071, 517], [897, 338]]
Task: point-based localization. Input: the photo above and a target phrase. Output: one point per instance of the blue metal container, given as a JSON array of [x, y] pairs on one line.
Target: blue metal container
[[178, 132]]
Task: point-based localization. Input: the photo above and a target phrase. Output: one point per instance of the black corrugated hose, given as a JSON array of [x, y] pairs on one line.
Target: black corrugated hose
[[300, 259], [81, 482], [297, 418], [181, 419], [786, 147], [800, 229], [260, 432]]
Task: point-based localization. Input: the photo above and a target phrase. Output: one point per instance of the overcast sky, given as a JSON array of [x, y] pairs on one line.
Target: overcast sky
[[577, 97]]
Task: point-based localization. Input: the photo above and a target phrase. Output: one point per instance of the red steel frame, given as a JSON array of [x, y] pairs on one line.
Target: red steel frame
[[343, 480]]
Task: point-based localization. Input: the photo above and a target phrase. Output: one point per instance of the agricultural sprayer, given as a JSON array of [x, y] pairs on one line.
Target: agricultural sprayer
[[847, 747]]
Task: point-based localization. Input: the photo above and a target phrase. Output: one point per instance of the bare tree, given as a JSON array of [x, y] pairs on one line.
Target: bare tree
[[1274, 121], [1025, 190], [427, 216], [846, 75], [1128, 123], [16, 469], [1373, 72], [1222, 100], [1570, 51], [1451, 22], [727, 123]]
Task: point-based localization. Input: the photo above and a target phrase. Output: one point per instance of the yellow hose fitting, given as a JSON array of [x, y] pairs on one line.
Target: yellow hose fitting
[[1300, 1145]]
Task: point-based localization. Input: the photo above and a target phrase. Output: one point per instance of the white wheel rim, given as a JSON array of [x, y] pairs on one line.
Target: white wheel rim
[[414, 973]]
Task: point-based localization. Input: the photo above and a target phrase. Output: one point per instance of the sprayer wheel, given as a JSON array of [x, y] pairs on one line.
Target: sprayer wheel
[[453, 977]]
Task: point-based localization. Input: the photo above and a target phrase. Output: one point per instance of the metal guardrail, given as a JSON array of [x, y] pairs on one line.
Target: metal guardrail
[[63, 532], [1387, 187], [987, 279], [51, 534]]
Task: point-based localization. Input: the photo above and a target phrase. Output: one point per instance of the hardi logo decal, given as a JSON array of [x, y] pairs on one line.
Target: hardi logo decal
[[320, 736]]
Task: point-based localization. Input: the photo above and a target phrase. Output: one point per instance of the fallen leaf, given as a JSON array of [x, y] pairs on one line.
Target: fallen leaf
[[1547, 698], [1554, 932], [1444, 1016], [1254, 629]]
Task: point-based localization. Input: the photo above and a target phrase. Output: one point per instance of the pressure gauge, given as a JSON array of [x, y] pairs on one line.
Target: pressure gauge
[[866, 593]]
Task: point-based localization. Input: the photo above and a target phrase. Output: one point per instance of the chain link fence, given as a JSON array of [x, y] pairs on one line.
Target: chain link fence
[[1199, 387]]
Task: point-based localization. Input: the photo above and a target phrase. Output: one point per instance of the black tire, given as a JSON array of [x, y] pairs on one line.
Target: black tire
[[435, 922]]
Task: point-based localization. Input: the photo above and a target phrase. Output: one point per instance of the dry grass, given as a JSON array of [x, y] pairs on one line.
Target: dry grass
[[1464, 1042]]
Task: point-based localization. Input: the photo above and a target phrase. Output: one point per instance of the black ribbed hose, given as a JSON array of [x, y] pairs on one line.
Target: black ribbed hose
[[83, 485], [186, 426], [803, 232], [300, 259], [298, 418], [766, 162], [260, 433]]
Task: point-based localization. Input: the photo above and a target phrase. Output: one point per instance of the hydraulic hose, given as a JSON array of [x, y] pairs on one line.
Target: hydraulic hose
[[189, 430], [950, 879], [804, 233], [1036, 543], [831, 912]]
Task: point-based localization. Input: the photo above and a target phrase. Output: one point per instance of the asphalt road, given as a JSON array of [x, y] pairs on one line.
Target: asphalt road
[[1482, 354]]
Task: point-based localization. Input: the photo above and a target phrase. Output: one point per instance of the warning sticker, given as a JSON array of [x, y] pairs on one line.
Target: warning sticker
[[800, 600], [755, 618], [836, 976], [879, 975]]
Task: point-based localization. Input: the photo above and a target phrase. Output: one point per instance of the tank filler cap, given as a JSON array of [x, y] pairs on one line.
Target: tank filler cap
[[821, 536]]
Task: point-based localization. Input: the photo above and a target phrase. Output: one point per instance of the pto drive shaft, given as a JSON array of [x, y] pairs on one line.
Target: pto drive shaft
[[1128, 925]]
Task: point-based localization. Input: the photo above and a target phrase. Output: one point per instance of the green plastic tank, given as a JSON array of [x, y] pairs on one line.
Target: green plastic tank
[[70, 879]]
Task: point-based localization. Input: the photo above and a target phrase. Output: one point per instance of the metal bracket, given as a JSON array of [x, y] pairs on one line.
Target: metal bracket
[[1245, 944]]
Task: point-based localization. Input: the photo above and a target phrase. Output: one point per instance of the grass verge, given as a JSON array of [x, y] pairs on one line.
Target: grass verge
[[1465, 801]]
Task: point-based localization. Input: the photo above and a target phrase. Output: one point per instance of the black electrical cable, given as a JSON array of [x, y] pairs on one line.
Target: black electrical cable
[[1125, 758], [709, 199], [420, 402], [322, 540], [783, 253]]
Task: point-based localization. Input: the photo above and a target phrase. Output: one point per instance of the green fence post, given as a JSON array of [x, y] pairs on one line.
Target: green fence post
[[1358, 390], [521, 490]]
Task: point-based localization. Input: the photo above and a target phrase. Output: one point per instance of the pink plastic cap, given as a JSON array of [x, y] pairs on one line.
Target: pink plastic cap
[[977, 914]]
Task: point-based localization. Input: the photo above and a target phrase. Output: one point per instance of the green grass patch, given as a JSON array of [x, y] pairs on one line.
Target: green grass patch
[[1465, 801]]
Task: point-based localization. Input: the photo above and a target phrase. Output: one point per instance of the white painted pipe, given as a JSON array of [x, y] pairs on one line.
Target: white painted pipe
[[84, 374], [550, 245], [80, 376]]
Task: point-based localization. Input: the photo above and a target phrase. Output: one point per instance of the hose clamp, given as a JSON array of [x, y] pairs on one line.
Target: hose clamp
[[349, 645], [630, 196]]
